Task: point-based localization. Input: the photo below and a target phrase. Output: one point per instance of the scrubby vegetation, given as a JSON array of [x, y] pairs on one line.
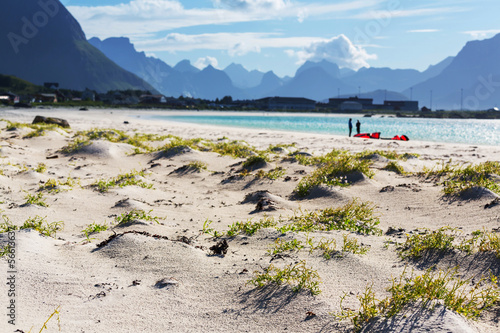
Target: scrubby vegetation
[[127, 179], [447, 239], [354, 216], [249, 227], [36, 199], [327, 247], [36, 223], [54, 186], [38, 129], [333, 172], [457, 179], [136, 214], [299, 276], [462, 296]]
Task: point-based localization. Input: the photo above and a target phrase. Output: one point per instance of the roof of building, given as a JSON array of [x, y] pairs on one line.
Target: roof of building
[[287, 99]]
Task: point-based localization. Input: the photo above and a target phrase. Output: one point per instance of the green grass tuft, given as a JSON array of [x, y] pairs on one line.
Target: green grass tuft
[[334, 172], [128, 179], [459, 295], [136, 214], [395, 167], [249, 227], [355, 216], [93, 228], [36, 199], [297, 275]]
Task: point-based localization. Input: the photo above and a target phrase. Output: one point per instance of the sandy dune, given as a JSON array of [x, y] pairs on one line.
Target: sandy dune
[[139, 281]]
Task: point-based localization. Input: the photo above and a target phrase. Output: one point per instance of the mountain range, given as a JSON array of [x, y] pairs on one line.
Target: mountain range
[[45, 43], [454, 82]]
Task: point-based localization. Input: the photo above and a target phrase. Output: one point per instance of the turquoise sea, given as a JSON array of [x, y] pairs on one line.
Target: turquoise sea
[[469, 131]]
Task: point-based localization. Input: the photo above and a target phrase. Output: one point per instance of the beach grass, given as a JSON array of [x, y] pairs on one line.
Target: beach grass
[[355, 216], [93, 229], [395, 167], [460, 295], [37, 223], [334, 172], [250, 227], [298, 275], [327, 247], [447, 239], [273, 174], [132, 178], [36, 199], [457, 178], [136, 214], [197, 166]]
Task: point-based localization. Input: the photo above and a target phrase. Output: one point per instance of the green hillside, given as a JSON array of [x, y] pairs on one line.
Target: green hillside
[[18, 86]]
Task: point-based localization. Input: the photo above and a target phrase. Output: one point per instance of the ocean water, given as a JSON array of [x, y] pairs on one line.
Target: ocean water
[[468, 131]]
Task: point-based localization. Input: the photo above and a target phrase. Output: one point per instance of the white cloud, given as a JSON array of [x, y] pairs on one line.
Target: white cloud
[[399, 13], [423, 30], [143, 17], [339, 50], [481, 34], [236, 44], [243, 48], [201, 63], [252, 4]]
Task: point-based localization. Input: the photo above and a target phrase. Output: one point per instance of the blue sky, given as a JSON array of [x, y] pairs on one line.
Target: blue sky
[[280, 35]]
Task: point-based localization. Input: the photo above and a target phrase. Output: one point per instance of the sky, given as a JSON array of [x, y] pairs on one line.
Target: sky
[[280, 35]]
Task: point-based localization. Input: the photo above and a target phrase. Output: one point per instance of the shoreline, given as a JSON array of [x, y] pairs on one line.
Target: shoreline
[[438, 114], [136, 114]]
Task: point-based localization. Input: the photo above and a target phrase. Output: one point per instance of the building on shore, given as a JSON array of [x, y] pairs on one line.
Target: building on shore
[[360, 104], [401, 105], [286, 103], [336, 103], [153, 99], [45, 98], [9, 98]]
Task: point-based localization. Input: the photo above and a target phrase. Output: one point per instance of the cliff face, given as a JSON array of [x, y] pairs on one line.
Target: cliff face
[[44, 43]]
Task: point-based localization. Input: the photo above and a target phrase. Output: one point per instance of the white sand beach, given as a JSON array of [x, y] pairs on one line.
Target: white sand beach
[[163, 277]]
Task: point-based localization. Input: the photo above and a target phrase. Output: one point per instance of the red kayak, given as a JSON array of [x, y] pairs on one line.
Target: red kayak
[[376, 135]]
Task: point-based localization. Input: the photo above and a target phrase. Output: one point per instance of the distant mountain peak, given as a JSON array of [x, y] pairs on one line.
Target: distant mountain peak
[[184, 66], [329, 67], [241, 77]]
